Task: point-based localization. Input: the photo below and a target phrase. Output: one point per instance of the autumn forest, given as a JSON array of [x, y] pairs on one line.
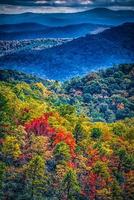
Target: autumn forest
[[51, 148], [66, 99]]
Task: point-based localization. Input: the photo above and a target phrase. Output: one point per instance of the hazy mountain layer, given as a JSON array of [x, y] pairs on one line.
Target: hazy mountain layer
[[97, 16], [113, 46], [33, 31]]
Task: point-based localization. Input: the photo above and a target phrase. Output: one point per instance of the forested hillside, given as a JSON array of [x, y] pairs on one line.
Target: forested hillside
[[105, 95], [66, 100], [50, 150]]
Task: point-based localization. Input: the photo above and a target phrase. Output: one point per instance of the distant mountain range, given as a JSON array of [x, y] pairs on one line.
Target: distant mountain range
[[96, 16], [34, 30], [23, 27], [77, 57]]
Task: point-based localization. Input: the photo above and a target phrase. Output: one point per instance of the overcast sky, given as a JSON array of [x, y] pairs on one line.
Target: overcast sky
[[70, 2], [52, 6]]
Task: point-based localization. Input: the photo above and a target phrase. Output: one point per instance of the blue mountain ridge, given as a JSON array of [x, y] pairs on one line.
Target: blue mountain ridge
[[97, 16], [34, 30], [113, 46]]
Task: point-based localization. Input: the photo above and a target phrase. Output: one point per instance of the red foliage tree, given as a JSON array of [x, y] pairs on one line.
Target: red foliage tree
[[40, 126], [66, 137]]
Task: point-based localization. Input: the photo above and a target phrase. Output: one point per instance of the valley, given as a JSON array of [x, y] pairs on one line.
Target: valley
[[66, 100], [10, 47], [66, 59]]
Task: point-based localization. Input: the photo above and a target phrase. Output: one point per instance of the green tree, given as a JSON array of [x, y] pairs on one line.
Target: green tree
[[96, 133], [78, 132], [2, 169], [13, 184], [62, 152], [36, 178], [116, 191], [11, 147], [70, 184]]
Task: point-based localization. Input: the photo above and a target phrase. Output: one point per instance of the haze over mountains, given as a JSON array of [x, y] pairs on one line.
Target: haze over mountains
[[113, 46], [34, 30], [66, 100], [96, 16], [62, 45], [60, 25]]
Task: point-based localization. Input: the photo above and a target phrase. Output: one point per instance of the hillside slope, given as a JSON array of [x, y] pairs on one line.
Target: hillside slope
[[106, 95], [33, 31], [113, 46], [53, 152]]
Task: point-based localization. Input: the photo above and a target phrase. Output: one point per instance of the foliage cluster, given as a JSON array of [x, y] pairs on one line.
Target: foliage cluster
[[51, 150]]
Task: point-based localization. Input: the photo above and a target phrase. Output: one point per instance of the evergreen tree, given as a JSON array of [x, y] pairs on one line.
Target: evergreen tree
[[70, 184]]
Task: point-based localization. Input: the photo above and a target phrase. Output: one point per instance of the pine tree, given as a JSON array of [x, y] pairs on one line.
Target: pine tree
[[71, 184]]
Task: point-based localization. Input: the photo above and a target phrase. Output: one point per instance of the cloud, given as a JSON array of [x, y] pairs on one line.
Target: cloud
[[15, 9], [68, 2], [61, 6], [86, 1]]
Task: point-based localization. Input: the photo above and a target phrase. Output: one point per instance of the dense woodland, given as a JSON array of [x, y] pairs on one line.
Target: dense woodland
[[106, 95], [67, 141]]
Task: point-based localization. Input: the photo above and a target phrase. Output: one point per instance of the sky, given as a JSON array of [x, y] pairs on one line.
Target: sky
[[63, 6]]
